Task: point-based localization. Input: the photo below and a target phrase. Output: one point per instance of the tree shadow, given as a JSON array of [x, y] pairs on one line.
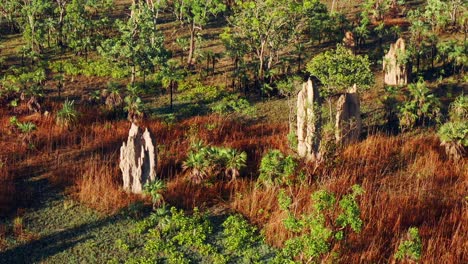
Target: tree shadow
[[39, 250]]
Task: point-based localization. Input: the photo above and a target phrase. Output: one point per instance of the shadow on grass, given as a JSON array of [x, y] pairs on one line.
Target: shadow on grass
[[41, 249]]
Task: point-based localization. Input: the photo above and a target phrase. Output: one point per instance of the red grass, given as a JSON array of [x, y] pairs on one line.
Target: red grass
[[409, 181]]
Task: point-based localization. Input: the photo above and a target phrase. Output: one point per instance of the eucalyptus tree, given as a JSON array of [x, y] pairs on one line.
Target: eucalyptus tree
[[31, 20], [60, 10], [140, 45], [8, 13], [419, 32], [82, 27], [339, 69], [195, 14], [265, 27], [171, 74]]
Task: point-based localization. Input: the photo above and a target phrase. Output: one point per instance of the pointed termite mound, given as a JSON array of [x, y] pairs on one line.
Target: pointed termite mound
[[138, 159], [308, 122], [348, 117], [394, 65]]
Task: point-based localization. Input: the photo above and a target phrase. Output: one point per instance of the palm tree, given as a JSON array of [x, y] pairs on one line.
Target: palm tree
[[113, 97], [26, 132], [234, 162], [134, 107], [67, 116], [155, 189], [198, 166]]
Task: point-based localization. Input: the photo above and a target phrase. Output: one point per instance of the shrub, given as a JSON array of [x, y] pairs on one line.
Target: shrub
[[238, 234], [232, 105], [242, 242], [421, 106], [177, 238], [202, 93], [275, 168], [459, 109], [454, 134], [203, 161], [67, 116], [316, 233], [26, 127], [411, 247], [26, 130], [154, 189]]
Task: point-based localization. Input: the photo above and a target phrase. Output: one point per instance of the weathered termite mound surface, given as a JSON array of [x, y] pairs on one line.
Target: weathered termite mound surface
[[138, 159], [308, 122], [348, 117], [394, 65]]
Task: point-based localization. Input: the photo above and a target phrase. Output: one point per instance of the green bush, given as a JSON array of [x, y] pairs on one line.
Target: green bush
[[210, 161], [315, 233], [199, 92], [238, 234], [275, 169], [421, 106], [242, 242], [232, 105], [174, 237], [411, 247], [454, 132], [26, 128], [67, 116], [155, 189], [459, 109]]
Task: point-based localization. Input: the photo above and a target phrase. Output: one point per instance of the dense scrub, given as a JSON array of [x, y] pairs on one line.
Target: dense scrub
[[216, 83]]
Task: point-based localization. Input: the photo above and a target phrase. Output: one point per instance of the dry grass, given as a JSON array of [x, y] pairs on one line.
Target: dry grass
[[409, 181]]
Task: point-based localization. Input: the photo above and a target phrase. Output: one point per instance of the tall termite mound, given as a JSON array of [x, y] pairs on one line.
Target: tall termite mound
[[138, 159]]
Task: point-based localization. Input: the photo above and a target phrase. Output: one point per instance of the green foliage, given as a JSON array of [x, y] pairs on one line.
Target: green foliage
[[241, 241], [26, 127], [134, 107], [436, 14], [238, 234], [174, 236], [419, 107], [455, 132], [263, 29], [459, 109], [67, 116], [99, 67], [140, 46], [339, 69], [411, 247], [316, 233], [209, 161], [195, 14], [25, 80], [452, 53], [232, 105], [350, 215], [14, 121], [275, 169], [201, 93], [155, 189]]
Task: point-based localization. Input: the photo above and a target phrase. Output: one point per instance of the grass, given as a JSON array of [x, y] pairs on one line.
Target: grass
[[403, 177], [62, 202], [61, 230]]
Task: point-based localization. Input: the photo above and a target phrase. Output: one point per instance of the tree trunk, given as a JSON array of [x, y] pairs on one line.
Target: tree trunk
[[171, 87], [192, 45], [133, 75], [260, 68]]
